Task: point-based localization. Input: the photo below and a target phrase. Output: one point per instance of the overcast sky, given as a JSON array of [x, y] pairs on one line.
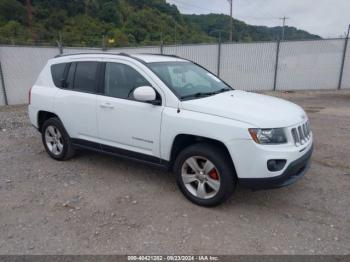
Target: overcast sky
[[328, 18]]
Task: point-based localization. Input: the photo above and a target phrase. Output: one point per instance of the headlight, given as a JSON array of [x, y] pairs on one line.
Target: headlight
[[268, 136]]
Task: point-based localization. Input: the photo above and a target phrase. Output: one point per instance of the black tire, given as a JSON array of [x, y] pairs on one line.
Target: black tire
[[222, 163], [68, 151]]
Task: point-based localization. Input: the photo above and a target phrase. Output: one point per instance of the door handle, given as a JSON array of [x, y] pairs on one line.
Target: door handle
[[106, 105]]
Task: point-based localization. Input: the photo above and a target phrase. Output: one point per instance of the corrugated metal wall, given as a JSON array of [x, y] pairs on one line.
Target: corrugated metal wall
[[21, 67], [136, 50], [309, 65], [73, 50], [205, 55], [248, 66], [245, 66]]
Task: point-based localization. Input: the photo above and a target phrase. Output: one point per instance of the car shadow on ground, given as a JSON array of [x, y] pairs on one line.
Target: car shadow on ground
[[113, 167]]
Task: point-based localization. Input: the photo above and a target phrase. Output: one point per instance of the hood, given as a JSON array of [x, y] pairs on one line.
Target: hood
[[256, 109]]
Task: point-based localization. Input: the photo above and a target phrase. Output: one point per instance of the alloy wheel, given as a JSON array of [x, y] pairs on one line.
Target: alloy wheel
[[200, 177], [54, 140]]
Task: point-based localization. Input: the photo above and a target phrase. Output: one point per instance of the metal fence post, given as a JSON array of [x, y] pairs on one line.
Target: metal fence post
[[3, 85], [104, 48], [161, 48], [276, 64], [219, 56], [343, 59], [60, 48]]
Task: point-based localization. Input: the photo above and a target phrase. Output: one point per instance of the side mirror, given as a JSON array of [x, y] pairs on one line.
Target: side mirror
[[146, 94]]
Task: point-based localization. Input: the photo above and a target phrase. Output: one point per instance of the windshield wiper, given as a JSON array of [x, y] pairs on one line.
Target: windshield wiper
[[199, 94], [202, 94], [223, 90]]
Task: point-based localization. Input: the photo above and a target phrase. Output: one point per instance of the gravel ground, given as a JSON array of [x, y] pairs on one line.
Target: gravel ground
[[97, 204]]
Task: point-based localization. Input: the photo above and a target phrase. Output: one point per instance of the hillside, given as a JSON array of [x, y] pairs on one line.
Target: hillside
[[122, 22], [213, 23]]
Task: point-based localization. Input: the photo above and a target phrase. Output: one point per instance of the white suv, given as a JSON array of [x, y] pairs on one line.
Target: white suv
[[173, 113]]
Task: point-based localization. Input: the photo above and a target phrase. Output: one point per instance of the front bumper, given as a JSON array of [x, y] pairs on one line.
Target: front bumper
[[292, 173]]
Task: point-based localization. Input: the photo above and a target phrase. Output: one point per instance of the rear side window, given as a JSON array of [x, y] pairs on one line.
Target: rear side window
[[57, 72], [85, 77]]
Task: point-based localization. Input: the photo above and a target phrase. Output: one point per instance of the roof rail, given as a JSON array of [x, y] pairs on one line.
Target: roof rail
[[84, 53], [120, 54], [170, 55], [103, 53], [136, 58]]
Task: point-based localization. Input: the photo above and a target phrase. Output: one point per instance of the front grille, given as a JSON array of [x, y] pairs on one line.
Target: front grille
[[301, 134]]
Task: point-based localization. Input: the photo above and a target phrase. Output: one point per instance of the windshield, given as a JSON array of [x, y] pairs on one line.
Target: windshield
[[188, 80]]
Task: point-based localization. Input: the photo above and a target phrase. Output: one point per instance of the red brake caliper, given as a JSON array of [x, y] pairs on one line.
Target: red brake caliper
[[214, 174]]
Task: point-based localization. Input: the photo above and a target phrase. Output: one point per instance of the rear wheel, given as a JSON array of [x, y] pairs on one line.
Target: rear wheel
[[205, 174], [56, 140]]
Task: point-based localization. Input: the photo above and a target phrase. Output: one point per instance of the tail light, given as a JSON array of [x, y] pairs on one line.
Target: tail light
[[30, 95]]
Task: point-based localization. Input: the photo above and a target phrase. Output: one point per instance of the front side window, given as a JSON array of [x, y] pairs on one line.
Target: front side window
[[187, 80], [86, 76], [121, 80]]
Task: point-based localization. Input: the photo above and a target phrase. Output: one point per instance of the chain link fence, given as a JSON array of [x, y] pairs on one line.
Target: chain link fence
[[262, 66]]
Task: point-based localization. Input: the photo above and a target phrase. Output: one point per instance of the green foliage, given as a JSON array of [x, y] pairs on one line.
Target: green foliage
[[13, 32], [84, 31], [110, 13], [11, 10], [122, 23]]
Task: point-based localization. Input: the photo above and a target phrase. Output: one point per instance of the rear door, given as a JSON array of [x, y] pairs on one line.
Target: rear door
[[127, 126], [76, 101]]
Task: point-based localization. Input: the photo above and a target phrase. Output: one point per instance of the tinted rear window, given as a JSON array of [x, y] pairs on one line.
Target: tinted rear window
[[85, 76], [57, 72]]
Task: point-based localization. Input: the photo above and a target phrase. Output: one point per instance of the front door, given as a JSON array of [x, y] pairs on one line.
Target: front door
[[126, 126]]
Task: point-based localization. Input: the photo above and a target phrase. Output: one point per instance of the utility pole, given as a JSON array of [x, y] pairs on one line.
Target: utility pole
[[283, 26], [231, 19]]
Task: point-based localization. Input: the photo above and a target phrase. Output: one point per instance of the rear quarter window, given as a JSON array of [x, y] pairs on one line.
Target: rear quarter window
[[57, 72]]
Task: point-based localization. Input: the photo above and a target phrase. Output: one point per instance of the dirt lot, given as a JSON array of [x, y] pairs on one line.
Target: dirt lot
[[97, 204]]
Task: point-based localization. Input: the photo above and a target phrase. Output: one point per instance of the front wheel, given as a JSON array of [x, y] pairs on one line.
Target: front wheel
[[205, 174]]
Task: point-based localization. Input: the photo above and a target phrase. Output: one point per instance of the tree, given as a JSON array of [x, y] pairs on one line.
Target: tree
[[12, 10], [110, 13], [14, 33]]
